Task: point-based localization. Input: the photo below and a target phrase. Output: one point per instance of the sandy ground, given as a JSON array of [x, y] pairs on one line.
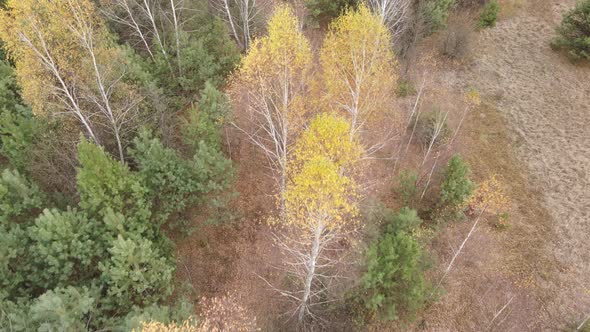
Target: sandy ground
[[546, 102]]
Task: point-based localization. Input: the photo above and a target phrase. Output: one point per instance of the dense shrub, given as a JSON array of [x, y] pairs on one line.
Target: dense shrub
[[63, 309], [489, 14], [394, 282], [573, 35], [322, 11], [18, 134], [456, 186], [10, 99]]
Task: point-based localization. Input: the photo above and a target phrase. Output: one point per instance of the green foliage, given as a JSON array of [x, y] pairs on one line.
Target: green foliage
[[207, 55], [435, 14], [405, 186], [63, 248], [62, 309], [489, 14], [12, 265], [104, 184], [136, 273], [456, 186], [174, 183], [204, 122], [573, 35], [326, 10], [18, 196], [18, 133], [394, 283], [10, 99], [405, 88]]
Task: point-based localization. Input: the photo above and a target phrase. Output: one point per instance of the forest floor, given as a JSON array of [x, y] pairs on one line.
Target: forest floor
[[531, 130]]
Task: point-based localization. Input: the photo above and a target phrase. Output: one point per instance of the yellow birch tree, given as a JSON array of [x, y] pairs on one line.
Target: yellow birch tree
[[67, 63], [358, 66], [321, 206], [275, 73]]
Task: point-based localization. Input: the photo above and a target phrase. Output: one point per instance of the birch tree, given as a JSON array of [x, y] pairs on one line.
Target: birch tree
[[358, 66], [321, 208], [275, 74], [68, 65], [393, 13]]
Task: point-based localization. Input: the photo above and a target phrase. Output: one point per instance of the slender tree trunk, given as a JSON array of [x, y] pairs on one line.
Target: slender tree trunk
[[311, 269], [176, 34], [231, 23]]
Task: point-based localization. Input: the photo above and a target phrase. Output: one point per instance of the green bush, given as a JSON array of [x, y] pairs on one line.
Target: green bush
[[136, 273], [104, 184], [19, 132], [107, 243], [63, 309], [406, 186], [435, 14], [174, 183], [573, 35], [405, 88], [13, 263], [207, 55], [456, 186], [322, 11], [10, 99], [394, 283], [63, 249], [204, 123], [489, 14], [18, 196]]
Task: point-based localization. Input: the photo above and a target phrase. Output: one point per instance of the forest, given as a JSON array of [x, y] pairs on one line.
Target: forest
[[294, 165]]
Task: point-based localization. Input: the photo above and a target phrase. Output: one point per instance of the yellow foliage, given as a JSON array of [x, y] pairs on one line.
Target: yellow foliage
[[278, 65], [328, 135], [43, 33], [358, 65], [489, 196], [472, 97], [186, 326], [320, 193]]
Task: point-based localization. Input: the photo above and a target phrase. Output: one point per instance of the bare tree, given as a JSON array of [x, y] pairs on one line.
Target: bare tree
[[393, 13], [240, 16], [124, 12], [143, 17], [315, 261]]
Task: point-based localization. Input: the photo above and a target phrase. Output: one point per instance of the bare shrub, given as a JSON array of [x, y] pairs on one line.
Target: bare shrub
[[456, 43]]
